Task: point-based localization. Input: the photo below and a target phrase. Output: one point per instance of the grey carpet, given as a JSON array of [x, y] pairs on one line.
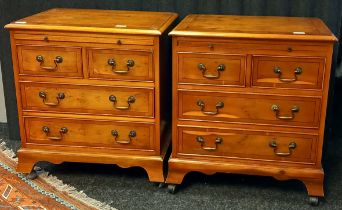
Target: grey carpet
[[130, 189]]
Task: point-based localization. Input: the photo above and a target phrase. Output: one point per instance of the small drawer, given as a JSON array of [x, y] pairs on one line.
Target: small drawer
[[50, 61], [244, 144], [288, 72], [118, 101], [249, 108], [211, 69], [90, 133], [121, 64]]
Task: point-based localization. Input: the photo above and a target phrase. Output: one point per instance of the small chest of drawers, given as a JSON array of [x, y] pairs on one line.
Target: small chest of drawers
[[250, 97], [90, 88]]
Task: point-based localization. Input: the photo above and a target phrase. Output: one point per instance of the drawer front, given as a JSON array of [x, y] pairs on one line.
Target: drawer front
[[249, 108], [288, 72], [121, 64], [85, 38], [109, 134], [211, 69], [118, 101], [247, 144], [250, 47], [50, 61]]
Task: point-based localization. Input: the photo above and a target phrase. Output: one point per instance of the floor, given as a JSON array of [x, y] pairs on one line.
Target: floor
[[130, 189]]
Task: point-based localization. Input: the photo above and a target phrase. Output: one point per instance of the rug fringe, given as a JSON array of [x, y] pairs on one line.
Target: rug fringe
[[73, 192], [59, 185], [7, 151]]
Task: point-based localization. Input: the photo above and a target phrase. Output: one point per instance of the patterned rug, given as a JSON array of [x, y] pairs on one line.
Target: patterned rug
[[45, 192]]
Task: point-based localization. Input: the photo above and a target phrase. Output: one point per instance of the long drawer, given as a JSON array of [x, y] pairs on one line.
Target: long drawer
[[264, 145], [90, 133], [249, 108], [118, 101]]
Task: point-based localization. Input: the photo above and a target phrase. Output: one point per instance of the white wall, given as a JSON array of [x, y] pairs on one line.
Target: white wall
[[2, 100]]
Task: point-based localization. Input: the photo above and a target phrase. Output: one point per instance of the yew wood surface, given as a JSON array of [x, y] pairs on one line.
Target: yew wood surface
[[249, 108], [140, 71], [246, 123], [91, 20], [232, 74], [89, 99], [71, 66], [85, 39], [237, 144], [260, 27], [90, 133], [311, 76]]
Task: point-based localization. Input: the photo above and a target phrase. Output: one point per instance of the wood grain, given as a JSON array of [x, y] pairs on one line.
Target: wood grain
[[232, 129], [68, 111]]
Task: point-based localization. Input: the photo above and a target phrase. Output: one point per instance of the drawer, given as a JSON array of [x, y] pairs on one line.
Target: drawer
[[214, 45], [118, 101], [247, 144], [84, 38], [90, 133], [288, 72], [249, 108], [50, 61], [121, 64], [211, 69]]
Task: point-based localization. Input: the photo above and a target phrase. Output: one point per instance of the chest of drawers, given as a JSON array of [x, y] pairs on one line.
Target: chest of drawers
[[250, 97], [89, 86]]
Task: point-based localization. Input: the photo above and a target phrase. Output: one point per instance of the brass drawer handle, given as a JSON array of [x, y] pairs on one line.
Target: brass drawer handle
[[130, 100], [131, 134], [60, 96], [276, 109], [57, 60], [130, 63], [292, 146], [297, 71], [200, 139], [203, 69], [62, 131], [219, 105]]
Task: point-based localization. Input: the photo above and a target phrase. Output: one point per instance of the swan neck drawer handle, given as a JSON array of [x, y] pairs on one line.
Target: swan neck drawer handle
[[201, 140], [130, 64], [60, 96], [132, 134], [203, 69], [275, 108], [201, 104], [130, 100], [57, 60], [296, 72], [62, 131], [292, 146]]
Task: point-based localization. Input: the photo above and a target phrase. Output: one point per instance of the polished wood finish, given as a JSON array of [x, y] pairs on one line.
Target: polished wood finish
[[92, 100], [288, 72], [86, 107], [141, 69], [264, 117], [249, 108], [254, 27], [71, 65], [212, 69], [89, 133]]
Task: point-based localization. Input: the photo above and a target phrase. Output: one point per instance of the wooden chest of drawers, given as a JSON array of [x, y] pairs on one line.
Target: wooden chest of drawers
[[250, 97], [90, 87]]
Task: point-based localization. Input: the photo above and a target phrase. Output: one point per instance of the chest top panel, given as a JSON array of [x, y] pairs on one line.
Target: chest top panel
[[90, 20], [256, 27]]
